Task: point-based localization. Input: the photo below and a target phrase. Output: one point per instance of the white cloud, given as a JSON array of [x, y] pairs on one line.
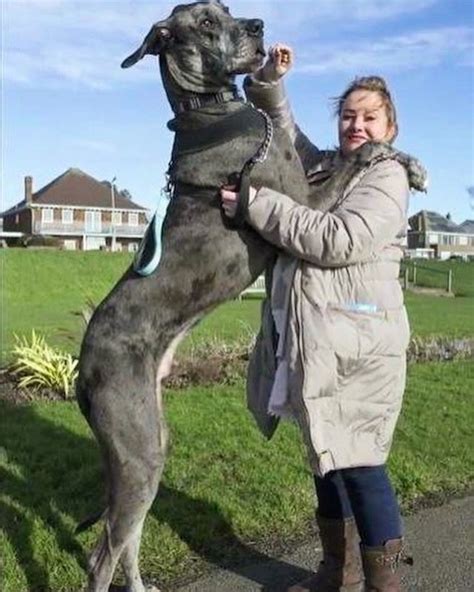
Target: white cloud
[[287, 16], [61, 65], [412, 50], [95, 146], [50, 43], [59, 42]]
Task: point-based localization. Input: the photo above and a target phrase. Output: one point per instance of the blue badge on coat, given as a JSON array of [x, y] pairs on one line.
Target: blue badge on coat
[[361, 307]]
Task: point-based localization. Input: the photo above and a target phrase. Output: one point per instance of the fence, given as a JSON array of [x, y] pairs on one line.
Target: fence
[[255, 289], [77, 228], [411, 275]]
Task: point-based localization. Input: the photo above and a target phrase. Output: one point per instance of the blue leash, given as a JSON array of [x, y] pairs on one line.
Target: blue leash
[[148, 255]]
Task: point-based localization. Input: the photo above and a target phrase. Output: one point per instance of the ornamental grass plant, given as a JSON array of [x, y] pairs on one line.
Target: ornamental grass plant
[[36, 364]]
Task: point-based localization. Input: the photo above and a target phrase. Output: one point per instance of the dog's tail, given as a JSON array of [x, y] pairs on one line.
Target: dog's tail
[[90, 521]]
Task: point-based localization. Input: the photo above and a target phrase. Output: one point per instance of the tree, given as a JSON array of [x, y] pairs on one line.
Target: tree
[[470, 190]]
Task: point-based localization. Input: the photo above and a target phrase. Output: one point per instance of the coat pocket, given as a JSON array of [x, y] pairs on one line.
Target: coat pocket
[[363, 333], [387, 334]]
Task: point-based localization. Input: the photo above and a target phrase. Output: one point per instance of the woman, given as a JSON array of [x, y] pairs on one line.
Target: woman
[[342, 329]]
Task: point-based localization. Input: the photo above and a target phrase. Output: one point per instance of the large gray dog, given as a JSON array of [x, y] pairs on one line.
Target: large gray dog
[[130, 341]]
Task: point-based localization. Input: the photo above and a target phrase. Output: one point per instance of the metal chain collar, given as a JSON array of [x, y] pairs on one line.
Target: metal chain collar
[[168, 188], [262, 152]]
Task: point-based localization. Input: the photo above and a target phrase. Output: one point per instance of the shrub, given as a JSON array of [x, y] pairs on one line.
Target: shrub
[[39, 365], [41, 241]]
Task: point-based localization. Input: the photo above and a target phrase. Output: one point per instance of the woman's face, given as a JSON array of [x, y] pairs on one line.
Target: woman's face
[[363, 119]]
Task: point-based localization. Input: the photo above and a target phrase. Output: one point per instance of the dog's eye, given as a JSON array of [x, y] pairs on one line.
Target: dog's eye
[[207, 24]]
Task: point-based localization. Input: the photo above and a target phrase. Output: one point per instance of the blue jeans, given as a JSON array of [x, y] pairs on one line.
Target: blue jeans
[[366, 494]]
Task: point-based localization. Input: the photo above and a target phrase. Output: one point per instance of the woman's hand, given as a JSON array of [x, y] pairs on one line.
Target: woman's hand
[[230, 199], [279, 61]]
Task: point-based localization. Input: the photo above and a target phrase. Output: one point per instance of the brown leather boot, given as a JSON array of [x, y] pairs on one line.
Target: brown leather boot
[[381, 566], [341, 567]]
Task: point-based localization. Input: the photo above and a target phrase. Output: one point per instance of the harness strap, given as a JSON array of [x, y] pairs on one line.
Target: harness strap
[[243, 184], [204, 100], [243, 187], [224, 130]]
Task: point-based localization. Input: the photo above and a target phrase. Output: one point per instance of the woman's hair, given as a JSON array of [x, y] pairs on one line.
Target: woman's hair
[[375, 84]]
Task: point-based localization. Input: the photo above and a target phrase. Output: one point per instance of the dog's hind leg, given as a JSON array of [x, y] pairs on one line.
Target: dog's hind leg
[[128, 422], [122, 533], [129, 558], [129, 561]]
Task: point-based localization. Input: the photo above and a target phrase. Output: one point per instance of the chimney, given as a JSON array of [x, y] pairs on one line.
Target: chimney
[[28, 189]]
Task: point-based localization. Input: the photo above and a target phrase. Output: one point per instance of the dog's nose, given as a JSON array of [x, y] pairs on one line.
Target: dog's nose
[[255, 27]]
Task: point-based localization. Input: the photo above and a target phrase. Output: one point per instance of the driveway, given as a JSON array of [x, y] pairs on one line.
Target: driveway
[[441, 541]]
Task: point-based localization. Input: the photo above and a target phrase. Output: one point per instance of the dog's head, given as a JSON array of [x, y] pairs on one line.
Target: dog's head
[[204, 47]]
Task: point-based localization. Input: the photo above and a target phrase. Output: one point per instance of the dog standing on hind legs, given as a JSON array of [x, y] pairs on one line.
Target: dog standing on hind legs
[[131, 338]]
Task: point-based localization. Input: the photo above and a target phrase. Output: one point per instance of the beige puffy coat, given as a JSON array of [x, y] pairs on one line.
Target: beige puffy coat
[[343, 344]]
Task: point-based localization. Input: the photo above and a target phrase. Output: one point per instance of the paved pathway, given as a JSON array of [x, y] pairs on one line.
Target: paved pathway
[[441, 542]]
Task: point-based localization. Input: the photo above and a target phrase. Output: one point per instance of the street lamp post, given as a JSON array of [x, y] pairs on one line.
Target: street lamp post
[[112, 223]]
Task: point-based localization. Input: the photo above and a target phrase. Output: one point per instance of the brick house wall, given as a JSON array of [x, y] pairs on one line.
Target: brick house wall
[[19, 222]]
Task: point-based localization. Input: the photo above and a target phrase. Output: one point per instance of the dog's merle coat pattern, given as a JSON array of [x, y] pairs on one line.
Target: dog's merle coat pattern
[[129, 342]]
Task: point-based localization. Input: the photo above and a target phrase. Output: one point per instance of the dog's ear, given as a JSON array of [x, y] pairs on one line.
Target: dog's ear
[[219, 3], [157, 38]]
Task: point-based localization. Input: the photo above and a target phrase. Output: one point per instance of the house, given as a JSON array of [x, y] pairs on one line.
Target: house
[[80, 212], [435, 236], [468, 226]]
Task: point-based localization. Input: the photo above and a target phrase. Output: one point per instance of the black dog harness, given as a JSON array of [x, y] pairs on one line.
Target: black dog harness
[[192, 141], [224, 130]]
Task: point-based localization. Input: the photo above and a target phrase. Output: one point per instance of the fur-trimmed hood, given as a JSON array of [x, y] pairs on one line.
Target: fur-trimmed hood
[[367, 155]]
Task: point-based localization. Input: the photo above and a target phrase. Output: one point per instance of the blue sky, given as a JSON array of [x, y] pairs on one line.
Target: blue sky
[[67, 103]]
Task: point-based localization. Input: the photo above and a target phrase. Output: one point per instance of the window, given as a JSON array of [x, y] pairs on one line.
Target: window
[[47, 215], [67, 216], [70, 245], [447, 239], [117, 218], [133, 219], [94, 243], [93, 221]]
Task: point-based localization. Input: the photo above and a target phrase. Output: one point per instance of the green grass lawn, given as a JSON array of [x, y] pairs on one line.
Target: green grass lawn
[[434, 315], [226, 493], [463, 275], [44, 289]]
